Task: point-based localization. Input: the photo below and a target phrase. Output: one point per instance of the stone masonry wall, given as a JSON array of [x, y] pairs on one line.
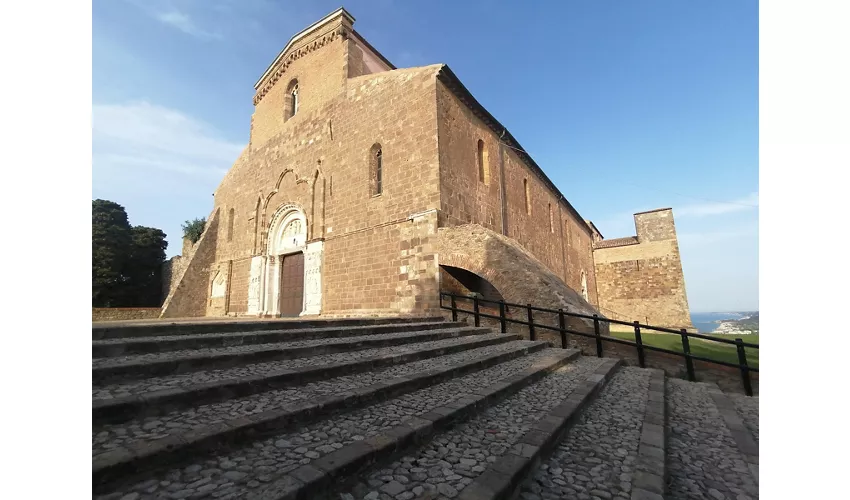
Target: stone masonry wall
[[190, 296], [559, 240], [173, 268], [645, 282]]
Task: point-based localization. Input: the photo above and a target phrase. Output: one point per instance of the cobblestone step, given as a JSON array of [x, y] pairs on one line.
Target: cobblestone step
[[707, 459], [160, 440], [614, 450], [154, 344], [491, 449], [115, 330], [335, 445], [159, 395], [112, 370], [748, 409]]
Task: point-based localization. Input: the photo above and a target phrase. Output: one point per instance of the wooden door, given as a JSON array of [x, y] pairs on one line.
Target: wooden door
[[292, 284]]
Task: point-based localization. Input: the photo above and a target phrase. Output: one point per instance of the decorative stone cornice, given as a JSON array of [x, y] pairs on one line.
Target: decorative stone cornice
[[296, 53]]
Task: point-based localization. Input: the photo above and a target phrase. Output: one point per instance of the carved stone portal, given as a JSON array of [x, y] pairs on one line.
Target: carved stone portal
[[255, 284], [287, 235], [313, 278]]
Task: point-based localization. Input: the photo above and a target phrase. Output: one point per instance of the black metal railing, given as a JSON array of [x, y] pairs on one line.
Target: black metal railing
[[562, 329]]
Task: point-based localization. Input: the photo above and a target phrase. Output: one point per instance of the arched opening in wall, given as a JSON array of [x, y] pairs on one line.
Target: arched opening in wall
[[291, 100], [376, 170], [483, 164], [458, 281], [527, 197], [285, 269], [231, 214]]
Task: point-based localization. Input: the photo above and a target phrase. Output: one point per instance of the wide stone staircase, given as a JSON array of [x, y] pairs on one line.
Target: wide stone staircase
[[400, 408]]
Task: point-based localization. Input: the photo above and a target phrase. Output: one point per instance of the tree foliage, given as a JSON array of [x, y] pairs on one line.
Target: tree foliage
[[126, 261], [144, 267], [111, 241], [193, 229]]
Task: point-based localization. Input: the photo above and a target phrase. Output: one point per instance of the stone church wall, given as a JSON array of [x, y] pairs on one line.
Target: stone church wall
[[550, 232], [641, 278], [319, 161], [190, 296]]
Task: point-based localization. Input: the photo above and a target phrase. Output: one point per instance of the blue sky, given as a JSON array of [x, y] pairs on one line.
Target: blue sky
[[627, 105]]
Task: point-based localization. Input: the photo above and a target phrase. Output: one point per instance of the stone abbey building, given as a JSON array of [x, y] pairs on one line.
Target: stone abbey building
[[366, 189]]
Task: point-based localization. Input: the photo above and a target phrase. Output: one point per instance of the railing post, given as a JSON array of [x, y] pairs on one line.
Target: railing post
[[598, 335], [531, 334], [745, 369], [689, 363], [475, 309], [502, 322], [562, 325], [454, 308], [639, 342]]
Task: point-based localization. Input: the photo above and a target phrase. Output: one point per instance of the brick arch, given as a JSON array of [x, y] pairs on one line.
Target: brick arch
[[475, 266], [518, 276]]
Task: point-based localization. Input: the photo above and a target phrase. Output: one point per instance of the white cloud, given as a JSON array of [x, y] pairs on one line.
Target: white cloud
[[185, 24], [143, 136], [747, 203]]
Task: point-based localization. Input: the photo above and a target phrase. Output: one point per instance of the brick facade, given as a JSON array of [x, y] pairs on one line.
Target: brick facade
[[361, 166]]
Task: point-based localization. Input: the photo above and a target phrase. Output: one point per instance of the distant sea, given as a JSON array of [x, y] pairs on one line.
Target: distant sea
[[705, 322]]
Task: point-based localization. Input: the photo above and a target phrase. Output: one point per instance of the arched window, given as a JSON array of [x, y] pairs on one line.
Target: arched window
[[230, 216], [584, 285], [527, 196], [291, 100], [376, 170], [483, 164]]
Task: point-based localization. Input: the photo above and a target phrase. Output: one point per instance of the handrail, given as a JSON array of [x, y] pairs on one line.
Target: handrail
[[597, 335]]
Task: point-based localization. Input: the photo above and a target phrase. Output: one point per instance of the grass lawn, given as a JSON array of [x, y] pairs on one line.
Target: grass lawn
[[699, 347]]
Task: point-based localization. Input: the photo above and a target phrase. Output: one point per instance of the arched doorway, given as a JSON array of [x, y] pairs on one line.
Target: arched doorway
[[286, 244], [288, 276]]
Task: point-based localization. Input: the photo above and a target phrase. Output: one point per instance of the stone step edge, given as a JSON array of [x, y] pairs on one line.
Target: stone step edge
[[651, 474], [176, 328], [503, 478], [135, 345], [157, 368], [744, 440], [309, 481], [143, 454], [164, 401]]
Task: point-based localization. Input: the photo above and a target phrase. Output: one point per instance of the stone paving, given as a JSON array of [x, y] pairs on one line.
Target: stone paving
[[211, 351], [703, 460], [307, 332], [108, 436], [253, 465], [138, 387], [597, 458], [452, 460], [748, 409]]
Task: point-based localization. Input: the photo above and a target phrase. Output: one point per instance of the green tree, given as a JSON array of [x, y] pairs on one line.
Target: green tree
[[193, 229], [143, 268], [111, 241], [126, 261]]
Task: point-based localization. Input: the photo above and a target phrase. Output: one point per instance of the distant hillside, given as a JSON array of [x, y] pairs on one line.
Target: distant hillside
[[749, 324]]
